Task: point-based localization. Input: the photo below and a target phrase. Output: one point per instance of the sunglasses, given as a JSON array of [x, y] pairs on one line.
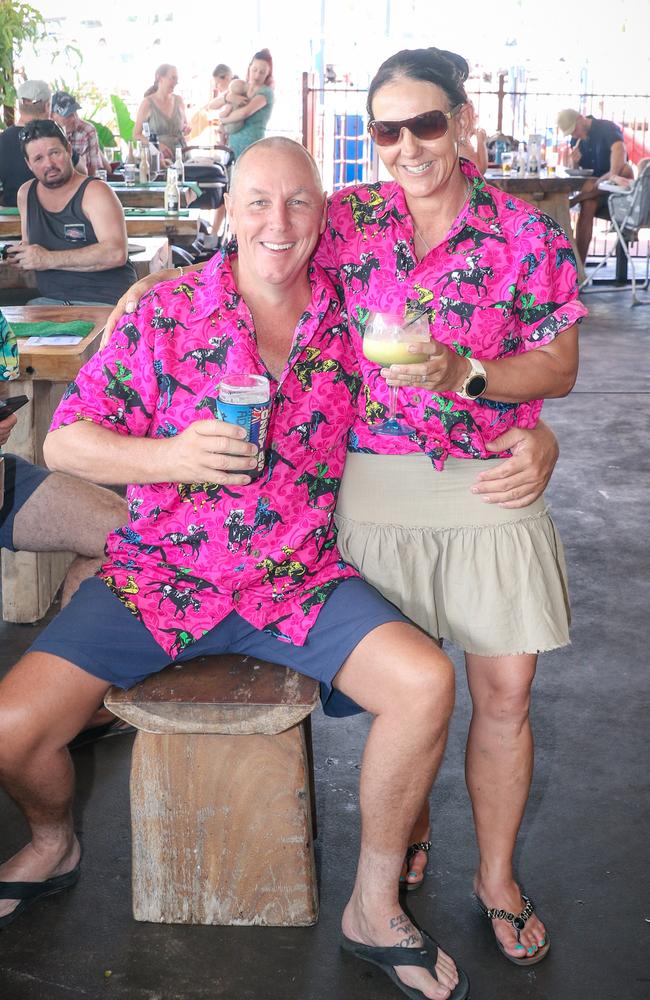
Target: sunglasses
[[430, 125], [42, 129]]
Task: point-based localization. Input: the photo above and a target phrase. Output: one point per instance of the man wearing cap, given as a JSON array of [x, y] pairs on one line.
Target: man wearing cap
[[33, 102], [81, 135], [596, 144], [74, 233]]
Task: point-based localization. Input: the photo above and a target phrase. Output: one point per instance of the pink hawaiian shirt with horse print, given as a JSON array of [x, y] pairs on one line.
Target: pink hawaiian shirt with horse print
[[193, 552], [502, 282]]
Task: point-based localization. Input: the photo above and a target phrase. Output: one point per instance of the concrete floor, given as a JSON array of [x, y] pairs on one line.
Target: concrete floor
[[583, 852]]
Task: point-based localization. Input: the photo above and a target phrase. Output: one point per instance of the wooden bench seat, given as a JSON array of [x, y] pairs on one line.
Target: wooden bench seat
[[222, 809]]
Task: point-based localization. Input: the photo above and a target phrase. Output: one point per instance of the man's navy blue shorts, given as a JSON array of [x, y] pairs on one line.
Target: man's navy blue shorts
[[97, 633], [21, 480]]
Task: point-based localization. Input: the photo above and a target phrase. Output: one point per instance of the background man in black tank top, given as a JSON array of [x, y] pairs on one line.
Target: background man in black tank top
[[74, 233]]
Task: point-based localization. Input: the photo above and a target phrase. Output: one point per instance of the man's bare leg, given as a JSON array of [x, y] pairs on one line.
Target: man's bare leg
[[407, 683], [68, 515], [44, 702]]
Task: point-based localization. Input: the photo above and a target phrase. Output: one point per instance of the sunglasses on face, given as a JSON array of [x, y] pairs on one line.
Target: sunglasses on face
[[430, 125]]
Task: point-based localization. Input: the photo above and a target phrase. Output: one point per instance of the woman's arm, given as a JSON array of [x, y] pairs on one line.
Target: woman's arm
[[546, 372], [240, 114], [216, 102]]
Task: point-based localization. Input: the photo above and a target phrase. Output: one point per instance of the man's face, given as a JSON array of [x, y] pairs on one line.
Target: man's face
[[277, 212], [49, 161], [580, 130], [66, 122]]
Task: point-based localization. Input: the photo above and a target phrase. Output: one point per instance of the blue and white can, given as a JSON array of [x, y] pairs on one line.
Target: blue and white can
[[245, 400]]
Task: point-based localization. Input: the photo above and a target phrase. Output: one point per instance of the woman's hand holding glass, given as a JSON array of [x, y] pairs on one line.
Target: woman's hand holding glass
[[389, 338], [443, 370]]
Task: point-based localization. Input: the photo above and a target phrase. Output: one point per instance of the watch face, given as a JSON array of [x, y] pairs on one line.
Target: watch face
[[476, 385]]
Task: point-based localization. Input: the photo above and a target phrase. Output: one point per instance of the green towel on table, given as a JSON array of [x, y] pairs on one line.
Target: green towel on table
[[75, 328]]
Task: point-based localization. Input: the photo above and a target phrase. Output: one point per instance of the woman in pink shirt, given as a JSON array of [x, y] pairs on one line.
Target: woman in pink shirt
[[497, 281]]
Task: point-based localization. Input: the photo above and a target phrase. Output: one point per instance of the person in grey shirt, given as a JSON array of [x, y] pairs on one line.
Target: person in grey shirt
[[74, 232]]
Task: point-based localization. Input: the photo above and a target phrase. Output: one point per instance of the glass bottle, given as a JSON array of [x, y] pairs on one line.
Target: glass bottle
[[180, 166], [154, 156], [172, 194], [144, 162]]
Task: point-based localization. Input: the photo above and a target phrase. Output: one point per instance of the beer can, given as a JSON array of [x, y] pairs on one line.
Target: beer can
[[245, 400], [8, 351]]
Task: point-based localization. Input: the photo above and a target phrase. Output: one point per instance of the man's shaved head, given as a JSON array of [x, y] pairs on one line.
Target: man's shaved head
[[266, 148]]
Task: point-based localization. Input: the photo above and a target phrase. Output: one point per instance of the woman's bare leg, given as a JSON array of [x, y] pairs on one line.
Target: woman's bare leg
[[498, 770]]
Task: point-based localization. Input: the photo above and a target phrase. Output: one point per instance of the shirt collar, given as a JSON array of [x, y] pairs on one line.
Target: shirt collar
[[216, 292]]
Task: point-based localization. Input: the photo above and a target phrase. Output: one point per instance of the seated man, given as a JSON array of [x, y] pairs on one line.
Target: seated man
[[81, 135], [74, 233], [245, 558], [33, 103], [596, 144]]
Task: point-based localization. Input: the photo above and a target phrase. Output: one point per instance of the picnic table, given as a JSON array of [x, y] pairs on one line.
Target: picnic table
[[152, 195], [548, 193], [148, 255], [139, 222]]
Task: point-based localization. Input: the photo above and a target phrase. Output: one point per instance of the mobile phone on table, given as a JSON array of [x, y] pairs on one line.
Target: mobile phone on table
[[11, 404]]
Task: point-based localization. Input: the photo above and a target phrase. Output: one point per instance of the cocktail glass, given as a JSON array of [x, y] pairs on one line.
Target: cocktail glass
[[386, 341]]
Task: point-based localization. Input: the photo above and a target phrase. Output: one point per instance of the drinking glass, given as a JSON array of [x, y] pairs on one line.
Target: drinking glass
[[386, 341], [506, 162]]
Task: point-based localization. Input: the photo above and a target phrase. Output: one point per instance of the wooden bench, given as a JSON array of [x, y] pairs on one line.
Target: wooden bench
[[222, 811]]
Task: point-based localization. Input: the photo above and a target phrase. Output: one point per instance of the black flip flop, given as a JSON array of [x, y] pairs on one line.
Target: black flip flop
[[411, 851], [424, 957], [116, 727], [518, 921], [30, 892]]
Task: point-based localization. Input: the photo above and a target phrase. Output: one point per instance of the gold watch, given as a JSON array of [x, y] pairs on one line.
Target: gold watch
[[475, 382]]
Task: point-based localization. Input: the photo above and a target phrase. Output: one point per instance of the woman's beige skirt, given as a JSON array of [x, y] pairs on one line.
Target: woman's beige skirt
[[491, 580]]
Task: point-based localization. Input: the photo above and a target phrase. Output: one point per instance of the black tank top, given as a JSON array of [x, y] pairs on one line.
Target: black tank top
[[70, 229]]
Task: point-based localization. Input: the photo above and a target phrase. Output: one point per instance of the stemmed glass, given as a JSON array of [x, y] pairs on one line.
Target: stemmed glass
[[386, 341]]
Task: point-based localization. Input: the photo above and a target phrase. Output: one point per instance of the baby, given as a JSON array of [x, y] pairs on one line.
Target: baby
[[236, 91]]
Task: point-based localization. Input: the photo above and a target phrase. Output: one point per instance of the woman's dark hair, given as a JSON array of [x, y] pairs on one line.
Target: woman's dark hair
[[446, 70], [221, 70], [162, 70], [266, 56]]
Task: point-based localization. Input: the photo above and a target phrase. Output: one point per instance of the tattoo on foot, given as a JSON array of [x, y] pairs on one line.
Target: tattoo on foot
[[403, 925]]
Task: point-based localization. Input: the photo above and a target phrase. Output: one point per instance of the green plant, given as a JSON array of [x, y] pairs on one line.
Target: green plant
[[19, 23], [125, 123]]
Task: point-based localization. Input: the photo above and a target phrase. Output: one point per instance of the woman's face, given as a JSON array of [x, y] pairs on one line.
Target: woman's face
[[221, 83], [169, 80], [419, 166], [258, 72]]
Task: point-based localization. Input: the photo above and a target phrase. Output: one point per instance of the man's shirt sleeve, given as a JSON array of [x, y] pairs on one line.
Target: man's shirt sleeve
[[117, 388]]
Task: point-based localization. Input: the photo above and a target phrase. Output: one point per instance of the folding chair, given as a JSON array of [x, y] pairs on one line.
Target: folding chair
[[629, 212]]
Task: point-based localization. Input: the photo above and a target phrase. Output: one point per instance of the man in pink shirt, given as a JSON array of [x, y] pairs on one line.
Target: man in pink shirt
[[211, 561]]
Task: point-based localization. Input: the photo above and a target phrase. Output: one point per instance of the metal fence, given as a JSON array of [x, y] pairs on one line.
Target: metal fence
[[334, 127]]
